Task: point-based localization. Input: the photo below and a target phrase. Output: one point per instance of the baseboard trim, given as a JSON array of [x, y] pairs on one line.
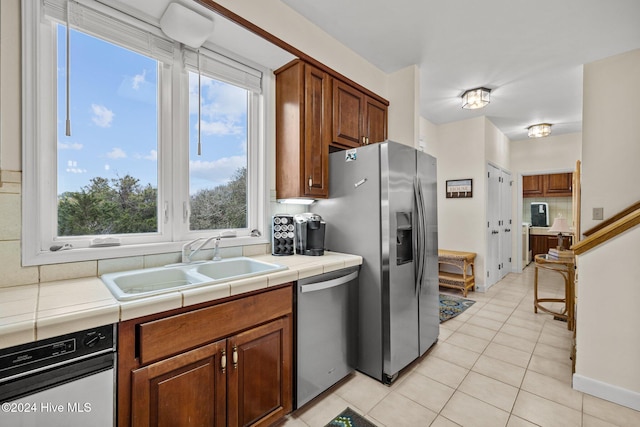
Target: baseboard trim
[[612, 393]]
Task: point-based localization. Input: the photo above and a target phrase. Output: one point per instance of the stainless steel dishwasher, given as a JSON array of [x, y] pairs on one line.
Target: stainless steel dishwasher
[[325, 329], [60, 382]]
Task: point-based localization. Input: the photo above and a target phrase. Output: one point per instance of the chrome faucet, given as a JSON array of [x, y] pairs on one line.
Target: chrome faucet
[[216, 249], [188, 251]]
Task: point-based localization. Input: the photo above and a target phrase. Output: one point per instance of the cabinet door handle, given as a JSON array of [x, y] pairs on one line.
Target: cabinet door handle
[[235, 357], [223, 361], [310, 181]]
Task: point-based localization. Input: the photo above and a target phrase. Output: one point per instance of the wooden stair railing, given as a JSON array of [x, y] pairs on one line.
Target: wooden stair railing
[[608, 232], [613, 219]]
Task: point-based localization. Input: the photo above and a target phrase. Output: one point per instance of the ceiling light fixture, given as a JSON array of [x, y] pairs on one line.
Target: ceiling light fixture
[[540, 130], [476, 98]]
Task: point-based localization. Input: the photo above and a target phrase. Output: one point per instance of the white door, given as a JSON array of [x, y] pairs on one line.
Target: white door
[[492, 263], [506, 223]]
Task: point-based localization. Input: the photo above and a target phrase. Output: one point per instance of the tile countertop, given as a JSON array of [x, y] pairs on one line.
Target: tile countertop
[[544, 231], [33, 312]]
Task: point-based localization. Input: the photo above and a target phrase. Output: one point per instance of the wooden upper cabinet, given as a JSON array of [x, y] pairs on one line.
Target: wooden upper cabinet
[[532, 186], [552, 185], [558, 184], [375, 121], [303, 131], [317, 132], [316, 110], [358, 119], [348, 115]]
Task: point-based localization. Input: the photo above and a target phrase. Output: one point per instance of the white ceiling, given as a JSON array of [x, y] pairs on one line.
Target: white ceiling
[[529, 53]]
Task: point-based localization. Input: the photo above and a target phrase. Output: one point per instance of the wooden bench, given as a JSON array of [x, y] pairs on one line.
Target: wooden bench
[[462, 261]]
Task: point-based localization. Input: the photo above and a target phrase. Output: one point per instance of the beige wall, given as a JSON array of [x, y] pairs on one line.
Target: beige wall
[[404, 99], [608, 350], [9, 86], [497, 146], [546, 155], [611, 135], [428, 139], [461, 154]]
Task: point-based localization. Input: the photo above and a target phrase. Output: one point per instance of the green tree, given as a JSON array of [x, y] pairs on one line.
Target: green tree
[[123, 206], [224, 206], [119, 205]]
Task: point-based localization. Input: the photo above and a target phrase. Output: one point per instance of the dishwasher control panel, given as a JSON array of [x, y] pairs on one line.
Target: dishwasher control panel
[[17, 360]]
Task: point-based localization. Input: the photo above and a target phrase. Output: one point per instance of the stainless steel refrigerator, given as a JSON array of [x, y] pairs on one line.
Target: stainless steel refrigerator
[[382, 206]]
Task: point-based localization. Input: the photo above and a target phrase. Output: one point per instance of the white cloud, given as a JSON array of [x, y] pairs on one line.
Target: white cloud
[[116, 153], [72, 167], [69, 146], [153, 155], [223, 107], [219, 128], [138, 79], [102, 116], [216, 172], [107, 167]]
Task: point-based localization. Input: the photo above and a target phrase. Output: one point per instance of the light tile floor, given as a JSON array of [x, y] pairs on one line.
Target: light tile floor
[[496, 364]]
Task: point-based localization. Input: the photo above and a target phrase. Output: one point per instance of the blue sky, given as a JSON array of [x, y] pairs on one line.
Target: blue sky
[[114, 119]]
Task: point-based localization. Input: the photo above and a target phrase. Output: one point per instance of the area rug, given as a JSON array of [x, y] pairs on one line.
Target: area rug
[[451, 306], [349, 418]]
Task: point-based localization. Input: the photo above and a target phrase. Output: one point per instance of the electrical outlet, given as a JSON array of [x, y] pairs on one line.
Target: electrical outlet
[[598, 213]]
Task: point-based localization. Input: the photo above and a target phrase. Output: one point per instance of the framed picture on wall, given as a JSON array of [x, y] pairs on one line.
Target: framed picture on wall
[[459, 188]]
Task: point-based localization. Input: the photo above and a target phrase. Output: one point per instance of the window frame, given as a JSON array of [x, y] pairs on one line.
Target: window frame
[[39, 207]]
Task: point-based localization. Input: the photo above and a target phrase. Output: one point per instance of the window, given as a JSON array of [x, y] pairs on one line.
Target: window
[[166, 144], [107, 174]]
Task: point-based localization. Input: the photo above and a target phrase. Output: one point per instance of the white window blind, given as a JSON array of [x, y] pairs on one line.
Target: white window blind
[[224, 68], [110, 24]]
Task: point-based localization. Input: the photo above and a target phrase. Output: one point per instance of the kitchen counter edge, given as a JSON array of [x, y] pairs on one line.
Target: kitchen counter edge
[[48, 309]]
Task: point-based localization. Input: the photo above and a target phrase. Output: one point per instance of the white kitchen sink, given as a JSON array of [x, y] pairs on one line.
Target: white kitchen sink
[[134, 284], [237, 268]]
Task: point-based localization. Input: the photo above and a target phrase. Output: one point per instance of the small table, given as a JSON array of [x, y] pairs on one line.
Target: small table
[[566, 268], [462, 260]]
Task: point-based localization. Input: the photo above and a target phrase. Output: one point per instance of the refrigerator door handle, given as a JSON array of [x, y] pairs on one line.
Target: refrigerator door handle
[[419, 234], [423, 233]]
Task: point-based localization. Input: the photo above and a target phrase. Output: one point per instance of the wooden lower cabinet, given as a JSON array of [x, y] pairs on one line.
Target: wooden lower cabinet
[[185, 390], [243, 378], [258, 389]]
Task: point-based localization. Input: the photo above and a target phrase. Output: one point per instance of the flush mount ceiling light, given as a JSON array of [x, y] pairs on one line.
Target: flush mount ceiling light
[[475, 98], [186, 26], [540, 130]]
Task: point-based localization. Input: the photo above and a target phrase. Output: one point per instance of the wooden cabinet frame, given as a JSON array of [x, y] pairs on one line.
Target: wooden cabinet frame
[[551, 185], [157, 353], [315, 113]]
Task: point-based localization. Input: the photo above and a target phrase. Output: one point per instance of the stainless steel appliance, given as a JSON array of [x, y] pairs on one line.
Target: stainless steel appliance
[[325, 329], [64, 381], [383, 207], [539, 214], [309, 230]]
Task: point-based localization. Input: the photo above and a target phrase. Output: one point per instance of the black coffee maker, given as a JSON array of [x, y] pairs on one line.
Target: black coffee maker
[[309, 234]]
